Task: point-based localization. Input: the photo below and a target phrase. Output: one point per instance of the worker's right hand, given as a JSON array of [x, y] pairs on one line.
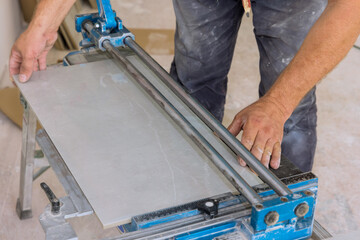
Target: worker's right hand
[[262, 124], [29, 52]]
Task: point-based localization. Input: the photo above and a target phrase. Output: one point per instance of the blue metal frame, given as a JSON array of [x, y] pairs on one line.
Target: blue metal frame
[[107, 15], [107, 27], [210, 232], [289, 226], [296, 229], [286, 210]]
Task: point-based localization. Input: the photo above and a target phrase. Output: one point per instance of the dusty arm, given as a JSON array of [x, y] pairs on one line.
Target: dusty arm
[[29, 52], [326, 44]]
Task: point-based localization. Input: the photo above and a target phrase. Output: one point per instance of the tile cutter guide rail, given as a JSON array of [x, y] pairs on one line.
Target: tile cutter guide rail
[[277, 209]]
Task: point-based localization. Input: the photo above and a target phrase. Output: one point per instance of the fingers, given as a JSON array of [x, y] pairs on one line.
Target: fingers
[[26, 69], [262, 124], [42, 62], [268, 151], [22, 66], [268, 154], [235, 128], [36, 66], [14, 62], [248, 139], [262, 144], [259, 148], [29, 52], [276, 155], [265, 159], [236, 125]]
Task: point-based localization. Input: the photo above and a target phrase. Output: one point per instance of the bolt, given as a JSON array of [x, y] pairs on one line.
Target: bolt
[[97, 25], [301, 210], [284, 199], [308, 193], [259, 206], [209, 204], [271, 218]]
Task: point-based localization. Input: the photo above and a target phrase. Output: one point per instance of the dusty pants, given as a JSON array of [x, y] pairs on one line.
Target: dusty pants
[[206, 32]]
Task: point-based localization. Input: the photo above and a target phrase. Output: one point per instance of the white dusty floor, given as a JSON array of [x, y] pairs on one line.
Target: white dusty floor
[[337, 160]]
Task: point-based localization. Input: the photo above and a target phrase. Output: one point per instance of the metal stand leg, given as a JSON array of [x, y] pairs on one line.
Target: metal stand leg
[[23, 205]]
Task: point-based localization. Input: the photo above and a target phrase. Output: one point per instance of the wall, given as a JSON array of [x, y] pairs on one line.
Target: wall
[[11, 19]]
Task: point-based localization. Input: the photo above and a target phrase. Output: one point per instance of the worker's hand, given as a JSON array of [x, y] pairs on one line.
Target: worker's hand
[[262, 124], [29, 52]]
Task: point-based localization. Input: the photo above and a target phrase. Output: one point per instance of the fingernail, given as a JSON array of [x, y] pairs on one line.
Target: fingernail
[[242, 163], [22, 78]]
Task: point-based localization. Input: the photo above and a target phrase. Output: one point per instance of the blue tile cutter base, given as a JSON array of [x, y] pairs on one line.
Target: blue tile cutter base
[[235, 216], [107, 27]]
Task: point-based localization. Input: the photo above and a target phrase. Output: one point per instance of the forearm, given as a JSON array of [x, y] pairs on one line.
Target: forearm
[[326, 44], [49, 14], [29, 52]]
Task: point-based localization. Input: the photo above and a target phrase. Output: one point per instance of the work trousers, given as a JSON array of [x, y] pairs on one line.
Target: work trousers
[[206, 32]]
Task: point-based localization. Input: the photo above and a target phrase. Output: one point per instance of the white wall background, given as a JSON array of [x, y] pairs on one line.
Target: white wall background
[[11, 27]]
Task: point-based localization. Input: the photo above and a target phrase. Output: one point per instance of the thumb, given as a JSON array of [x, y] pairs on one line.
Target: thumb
[[236, 125], [26, 69]]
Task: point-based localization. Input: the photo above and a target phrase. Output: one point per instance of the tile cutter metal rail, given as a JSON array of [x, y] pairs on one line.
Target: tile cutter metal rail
[[203, 114], [283, 210]]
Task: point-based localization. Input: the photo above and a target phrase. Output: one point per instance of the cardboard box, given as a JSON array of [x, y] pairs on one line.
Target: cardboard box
[[10, 105], [27, 8], [155, 41]]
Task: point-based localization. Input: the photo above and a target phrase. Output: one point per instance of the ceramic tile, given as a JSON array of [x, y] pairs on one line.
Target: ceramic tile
[[125, 153]]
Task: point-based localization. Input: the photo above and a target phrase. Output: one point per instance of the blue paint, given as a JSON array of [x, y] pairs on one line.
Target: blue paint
[[289, 225], [168, 219], [286, 210], [209, 232], [109, 27], [301, 229], [107, 14]]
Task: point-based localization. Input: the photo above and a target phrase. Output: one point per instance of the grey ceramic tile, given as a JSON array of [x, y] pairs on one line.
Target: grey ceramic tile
[[128, 157]]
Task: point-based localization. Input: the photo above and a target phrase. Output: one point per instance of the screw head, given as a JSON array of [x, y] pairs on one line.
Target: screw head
[[284, 199], [271, 218], [209, 204], [259, 206], [308, 193], [301, 210]]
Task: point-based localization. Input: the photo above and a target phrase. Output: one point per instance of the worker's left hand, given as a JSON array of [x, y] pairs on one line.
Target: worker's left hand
[[262, 124], [29, 52]]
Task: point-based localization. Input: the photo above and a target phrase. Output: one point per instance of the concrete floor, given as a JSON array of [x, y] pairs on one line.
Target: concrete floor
[[337, 160]]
